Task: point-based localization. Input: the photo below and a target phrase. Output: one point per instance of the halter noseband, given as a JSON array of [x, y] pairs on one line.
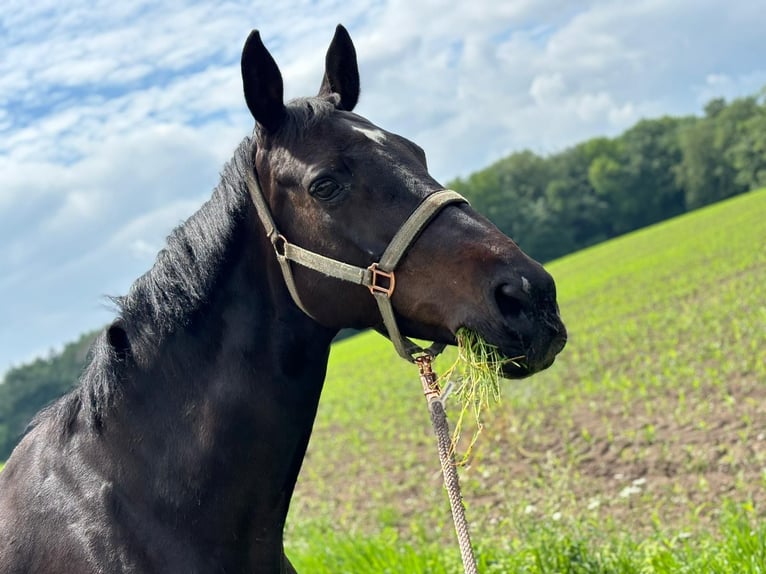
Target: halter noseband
[[379, 277]]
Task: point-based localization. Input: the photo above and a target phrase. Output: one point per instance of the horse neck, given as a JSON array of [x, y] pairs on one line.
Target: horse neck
[[231, 404]]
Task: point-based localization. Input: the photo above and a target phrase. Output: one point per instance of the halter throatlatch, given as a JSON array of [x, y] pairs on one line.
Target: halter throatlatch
[[379, 277]]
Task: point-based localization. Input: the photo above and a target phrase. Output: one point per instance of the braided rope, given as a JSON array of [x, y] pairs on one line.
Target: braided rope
[[451, 482], [447, 459]]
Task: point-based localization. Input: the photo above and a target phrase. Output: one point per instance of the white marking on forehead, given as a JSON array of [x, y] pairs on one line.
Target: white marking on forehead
[[374, 134], [525, 286]]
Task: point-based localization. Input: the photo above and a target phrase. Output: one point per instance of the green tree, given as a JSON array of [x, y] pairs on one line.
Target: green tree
[[708, 171], [580, 214], [636, 176], [748, 154]]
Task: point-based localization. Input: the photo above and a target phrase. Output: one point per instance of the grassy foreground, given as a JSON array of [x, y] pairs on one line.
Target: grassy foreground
[[738, 548], [643, 449]]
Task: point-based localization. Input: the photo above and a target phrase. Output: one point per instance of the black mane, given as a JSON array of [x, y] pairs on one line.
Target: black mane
[[166, 298], [185, 272]]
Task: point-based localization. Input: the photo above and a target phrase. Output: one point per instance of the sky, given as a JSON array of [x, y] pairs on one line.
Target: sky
[[116, 117]]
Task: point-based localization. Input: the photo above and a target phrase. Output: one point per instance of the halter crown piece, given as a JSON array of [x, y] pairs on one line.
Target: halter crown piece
[[379, 277]]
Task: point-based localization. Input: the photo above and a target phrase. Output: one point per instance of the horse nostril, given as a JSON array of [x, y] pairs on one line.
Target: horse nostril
[[509, 300]]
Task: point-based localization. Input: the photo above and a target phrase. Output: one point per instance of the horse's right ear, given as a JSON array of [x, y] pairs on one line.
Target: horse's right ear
[[262, 82]]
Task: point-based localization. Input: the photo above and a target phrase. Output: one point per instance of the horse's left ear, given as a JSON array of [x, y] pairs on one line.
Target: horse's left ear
[[341, 74]]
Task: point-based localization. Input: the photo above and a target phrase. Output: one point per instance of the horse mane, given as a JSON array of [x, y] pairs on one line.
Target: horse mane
[[185, 272], [165, 299]]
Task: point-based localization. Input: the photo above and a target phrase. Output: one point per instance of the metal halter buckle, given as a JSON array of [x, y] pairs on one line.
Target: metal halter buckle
[[375, 287], [427, 376], [279, 242]]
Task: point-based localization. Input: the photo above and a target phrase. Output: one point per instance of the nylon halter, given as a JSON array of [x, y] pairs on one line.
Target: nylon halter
[[379, 277]]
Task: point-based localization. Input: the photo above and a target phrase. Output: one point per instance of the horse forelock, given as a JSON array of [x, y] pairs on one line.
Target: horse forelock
[[301, 114]]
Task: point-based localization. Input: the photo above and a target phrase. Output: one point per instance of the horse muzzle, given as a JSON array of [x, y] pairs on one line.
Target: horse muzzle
[[529, 331]]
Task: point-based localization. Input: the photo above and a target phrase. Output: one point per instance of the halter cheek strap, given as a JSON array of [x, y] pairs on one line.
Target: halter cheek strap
[[379, 277]]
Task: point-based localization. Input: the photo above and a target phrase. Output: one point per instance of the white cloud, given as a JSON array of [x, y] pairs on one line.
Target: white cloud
[[115, 118], [142, 249], [546, 88]]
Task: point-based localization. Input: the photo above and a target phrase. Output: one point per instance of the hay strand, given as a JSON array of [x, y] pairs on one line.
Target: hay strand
[[475, 377]]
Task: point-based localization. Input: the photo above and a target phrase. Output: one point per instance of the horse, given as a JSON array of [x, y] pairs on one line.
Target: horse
[[180, 448]]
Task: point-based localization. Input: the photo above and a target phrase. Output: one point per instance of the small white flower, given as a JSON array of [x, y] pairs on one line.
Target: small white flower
[[530, 509], [556, 516], [594, 504], [629, 491], [639, 481]]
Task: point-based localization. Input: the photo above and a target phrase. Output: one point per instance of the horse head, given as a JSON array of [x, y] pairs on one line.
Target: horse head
[[339, 186]]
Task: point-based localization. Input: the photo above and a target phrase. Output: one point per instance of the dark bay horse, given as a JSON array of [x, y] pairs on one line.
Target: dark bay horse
[[180, 449]]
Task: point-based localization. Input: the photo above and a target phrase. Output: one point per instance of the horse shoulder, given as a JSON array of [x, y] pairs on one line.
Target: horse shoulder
[[41, 508]]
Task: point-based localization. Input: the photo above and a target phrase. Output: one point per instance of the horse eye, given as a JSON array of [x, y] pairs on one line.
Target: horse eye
[[325, 188]]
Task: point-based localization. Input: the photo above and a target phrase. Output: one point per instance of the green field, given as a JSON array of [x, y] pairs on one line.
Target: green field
[[643, 449]]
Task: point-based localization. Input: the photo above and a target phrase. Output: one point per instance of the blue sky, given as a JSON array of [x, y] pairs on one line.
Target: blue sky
[[115, 118]]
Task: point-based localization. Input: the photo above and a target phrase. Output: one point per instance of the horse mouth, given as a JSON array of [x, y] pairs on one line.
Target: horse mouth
[[519, 353], [484, 350], [519, 362], [515, 368], [531, 344], [520, 368]]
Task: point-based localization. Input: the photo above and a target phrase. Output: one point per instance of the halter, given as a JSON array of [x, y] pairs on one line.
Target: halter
[[379, 277]]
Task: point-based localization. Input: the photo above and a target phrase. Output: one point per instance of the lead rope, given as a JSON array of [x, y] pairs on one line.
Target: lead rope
[[447, 458]]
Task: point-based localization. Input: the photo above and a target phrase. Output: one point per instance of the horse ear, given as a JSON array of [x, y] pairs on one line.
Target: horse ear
[[262, 82], [341, 74]]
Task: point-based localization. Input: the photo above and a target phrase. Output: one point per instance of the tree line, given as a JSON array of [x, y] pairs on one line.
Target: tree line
[[551, 205], [605, 187]]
